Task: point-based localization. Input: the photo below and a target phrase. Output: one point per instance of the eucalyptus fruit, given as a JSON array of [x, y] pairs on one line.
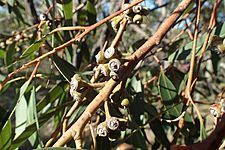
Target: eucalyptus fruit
[[215, 110]]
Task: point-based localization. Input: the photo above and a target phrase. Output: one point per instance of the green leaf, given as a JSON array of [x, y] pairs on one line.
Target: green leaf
[[3, 115], [65, 68], [68, 10], [2, 54], [20, 116], [156, 126], [77, 113], [81, 17], [9, 56], [31, 109], [169, 96], [135, 88], [34, 139], [168, 91], [189, 8], [82, 55], [137, 139], [52, 95], [33, 48], [30, 129], [5, 136], [24, 136], [203, 134], [91, 12], [23, 89]]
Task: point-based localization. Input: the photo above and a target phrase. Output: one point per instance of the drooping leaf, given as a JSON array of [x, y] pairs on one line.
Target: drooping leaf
[[65, 68], [23, 89], [30, 129], [81, 17], [34, 139], [2, 54], [156, 126], [83, 54], [17, 11], [33, 48], [68, 10], [91, 12], [203, 134], [20, 116], [169, 95], [137, 140], [135, 88], [167, 90], [189, 8], [136, 45], [10, 54], [52, 95], [77, 113], [3, 115], [5, 136]]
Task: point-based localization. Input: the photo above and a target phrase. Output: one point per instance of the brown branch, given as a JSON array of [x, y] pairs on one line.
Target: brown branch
[[210, 27], [77, 128], [119, 33], [192, 65]]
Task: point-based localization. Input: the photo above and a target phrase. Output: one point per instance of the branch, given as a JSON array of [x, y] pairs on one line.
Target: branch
[[76, 129]]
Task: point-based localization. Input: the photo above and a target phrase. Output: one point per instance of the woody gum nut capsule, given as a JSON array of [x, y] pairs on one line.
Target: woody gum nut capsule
[[125, 102], [102, 130], [138, 19], [43, 17], [113, 75], [137, 9], [104, 69], [100, 57], [75, 82], [109, 52], [114, 65], [115, 22], [215, 110], [113, 123]]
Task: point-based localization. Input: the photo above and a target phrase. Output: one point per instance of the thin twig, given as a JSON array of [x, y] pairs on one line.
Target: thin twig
[[192, 64], [210, 27], [119, 33]]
